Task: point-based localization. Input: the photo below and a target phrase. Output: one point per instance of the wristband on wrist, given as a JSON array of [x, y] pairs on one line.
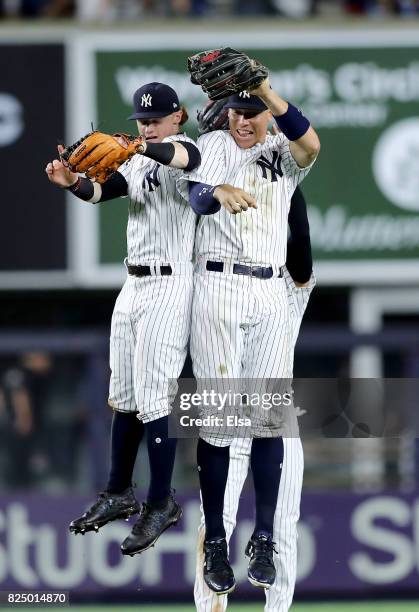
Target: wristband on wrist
[[293, 124], [73, 188], [83, 188], [201, 198]]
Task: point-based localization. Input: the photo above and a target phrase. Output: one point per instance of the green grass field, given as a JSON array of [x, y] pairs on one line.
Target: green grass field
[[370, 606]]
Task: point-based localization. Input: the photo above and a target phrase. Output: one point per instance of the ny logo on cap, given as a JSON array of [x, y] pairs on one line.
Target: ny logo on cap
[[244, 94], [146, 100]]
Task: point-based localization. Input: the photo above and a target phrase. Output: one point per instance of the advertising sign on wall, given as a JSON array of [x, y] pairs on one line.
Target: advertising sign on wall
[[362, 98], [366, 545], [32, 120]]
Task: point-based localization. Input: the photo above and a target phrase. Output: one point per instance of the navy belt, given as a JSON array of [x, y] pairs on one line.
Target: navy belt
[[256, 271], [146, 270]]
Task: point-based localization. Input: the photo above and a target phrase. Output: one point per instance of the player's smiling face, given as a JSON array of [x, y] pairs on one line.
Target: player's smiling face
[[155, 129], [248, 127]]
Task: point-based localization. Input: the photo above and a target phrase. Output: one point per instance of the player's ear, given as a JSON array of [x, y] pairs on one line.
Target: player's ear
[[177, 117], [184, 117]]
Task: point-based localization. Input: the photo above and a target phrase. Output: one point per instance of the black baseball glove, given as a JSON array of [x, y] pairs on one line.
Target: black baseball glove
[[224, 72], [212, 117]]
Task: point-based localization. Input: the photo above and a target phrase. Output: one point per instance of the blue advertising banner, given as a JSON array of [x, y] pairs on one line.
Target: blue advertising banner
[[356, 544]]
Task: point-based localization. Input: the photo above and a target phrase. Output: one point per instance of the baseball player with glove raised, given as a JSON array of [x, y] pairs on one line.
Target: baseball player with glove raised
[[240, 314], [300, 281], [151, 318]]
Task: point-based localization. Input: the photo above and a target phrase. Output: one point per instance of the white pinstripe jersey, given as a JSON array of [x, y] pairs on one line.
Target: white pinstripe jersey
[[161, 224], [270, 174]]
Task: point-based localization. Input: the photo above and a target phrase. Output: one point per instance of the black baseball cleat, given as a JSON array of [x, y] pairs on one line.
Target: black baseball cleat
[[150, 525], [261, 571], [108, 507], [218, 574]]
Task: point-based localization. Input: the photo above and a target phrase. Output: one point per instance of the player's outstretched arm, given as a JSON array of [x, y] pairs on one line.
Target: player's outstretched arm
[[233, 199], [304, 142], [182, 155], [187, 156], [207, 200], [83, 188]]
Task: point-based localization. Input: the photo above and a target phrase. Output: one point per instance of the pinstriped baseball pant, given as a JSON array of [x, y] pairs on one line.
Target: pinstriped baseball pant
[[148, 345], [239, 331]]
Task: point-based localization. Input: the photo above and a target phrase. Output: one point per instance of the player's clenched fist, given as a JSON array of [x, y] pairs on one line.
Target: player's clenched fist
[[233, 199], [58, 173]]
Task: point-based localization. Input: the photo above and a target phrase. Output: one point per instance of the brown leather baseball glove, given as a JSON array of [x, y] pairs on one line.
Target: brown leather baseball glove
[[99, 155]]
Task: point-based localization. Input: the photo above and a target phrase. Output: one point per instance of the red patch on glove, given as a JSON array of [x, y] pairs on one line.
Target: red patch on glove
[[210, 56]]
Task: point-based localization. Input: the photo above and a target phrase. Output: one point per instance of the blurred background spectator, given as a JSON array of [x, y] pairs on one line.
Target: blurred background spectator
[[17, 418], [24, 397], [40, 421], [37, 8], [128, 10], [108, 10], [382, 7]]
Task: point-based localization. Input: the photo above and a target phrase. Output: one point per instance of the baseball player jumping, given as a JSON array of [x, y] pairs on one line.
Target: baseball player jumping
[[151, 318], [240, 316], [300, 282]]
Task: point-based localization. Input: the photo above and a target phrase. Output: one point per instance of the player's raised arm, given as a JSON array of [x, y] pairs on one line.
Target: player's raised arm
[[304, 142]]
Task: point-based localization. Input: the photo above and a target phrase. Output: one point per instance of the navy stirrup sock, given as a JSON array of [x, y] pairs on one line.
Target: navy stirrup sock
[[126, 434], [161, 454], [213, 464], [266, 459]]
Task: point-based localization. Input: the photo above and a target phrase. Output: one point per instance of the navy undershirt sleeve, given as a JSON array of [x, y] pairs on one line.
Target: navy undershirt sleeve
[[194, 155], [201, 199], [299, 256], [115, 187], [161, 152], [164, 152]]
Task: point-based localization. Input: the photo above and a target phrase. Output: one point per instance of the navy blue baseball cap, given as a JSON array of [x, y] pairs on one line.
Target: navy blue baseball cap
[[244, 100], [154, 100]]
